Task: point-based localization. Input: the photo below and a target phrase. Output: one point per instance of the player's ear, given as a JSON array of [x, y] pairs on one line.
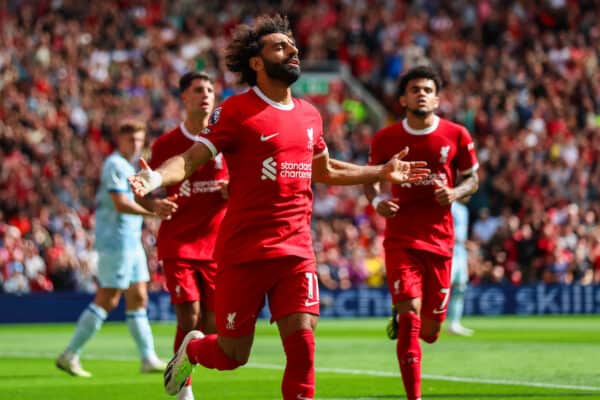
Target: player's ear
[[256, 63], [402, 101], [436, 102]]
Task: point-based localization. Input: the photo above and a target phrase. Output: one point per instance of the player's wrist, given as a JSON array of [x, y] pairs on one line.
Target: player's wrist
[[152, 179]]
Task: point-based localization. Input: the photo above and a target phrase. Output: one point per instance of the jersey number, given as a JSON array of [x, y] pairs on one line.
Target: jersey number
[[446, 293], [312, 297]]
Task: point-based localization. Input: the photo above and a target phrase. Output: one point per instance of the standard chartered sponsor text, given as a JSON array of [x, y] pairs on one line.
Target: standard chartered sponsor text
[[298, 170]]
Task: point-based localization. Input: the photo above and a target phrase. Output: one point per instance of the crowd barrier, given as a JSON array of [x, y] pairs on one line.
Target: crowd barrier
[[364, 302]]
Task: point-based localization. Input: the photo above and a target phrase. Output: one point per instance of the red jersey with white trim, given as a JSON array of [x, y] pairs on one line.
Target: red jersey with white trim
[[269, 148], [192, 231], [421, 222]]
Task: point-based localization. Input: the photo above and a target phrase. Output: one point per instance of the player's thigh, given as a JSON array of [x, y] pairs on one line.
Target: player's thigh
[[239, 296], [207, 281], [115, 267], [296, 291], [404, 271], [182, 280], [436, 286]]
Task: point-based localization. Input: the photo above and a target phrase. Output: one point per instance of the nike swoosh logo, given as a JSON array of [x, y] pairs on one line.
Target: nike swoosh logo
[[264, 138], [438, 311], [310, 303]]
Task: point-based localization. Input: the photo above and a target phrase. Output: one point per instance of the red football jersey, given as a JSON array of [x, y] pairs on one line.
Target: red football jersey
[[421, 222], [192, 232], [269, 148]]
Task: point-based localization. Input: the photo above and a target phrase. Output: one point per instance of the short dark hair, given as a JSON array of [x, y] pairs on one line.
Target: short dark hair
[[186, 79], [420, 72], [129, 126], [246, 43]]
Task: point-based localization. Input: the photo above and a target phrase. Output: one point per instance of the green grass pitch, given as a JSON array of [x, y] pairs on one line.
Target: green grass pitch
[[530, 358]]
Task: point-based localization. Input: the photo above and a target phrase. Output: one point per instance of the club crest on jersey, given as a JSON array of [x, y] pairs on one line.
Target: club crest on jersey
[[310, 135], [444, 154], [231, 320], [214, 117]]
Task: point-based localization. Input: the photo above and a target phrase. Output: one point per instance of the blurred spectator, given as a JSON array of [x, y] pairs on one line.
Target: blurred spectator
[[522, 76]]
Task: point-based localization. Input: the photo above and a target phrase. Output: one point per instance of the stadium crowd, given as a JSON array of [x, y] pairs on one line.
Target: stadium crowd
[[523, 76]]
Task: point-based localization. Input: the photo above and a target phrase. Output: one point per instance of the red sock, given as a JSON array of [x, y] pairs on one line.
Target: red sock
[[206, 352], [299, 376], [408, 350], [179, 335]]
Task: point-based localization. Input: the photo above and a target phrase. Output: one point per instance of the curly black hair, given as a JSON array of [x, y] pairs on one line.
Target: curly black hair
[[246, 43], [422, 71]]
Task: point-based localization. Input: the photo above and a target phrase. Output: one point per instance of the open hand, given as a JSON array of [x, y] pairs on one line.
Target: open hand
[[164, 208], [398, 171], [387, 208]]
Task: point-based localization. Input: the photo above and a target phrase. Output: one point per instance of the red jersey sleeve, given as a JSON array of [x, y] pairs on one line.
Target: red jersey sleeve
[[319, 145], [157, 157], [220, 134], [377, 155], [466, 157]]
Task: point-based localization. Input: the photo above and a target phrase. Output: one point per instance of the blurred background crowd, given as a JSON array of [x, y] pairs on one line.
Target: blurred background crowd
[[522, 76]]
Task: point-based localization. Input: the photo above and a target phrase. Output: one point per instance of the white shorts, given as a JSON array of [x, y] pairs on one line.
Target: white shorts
[[118, 269]]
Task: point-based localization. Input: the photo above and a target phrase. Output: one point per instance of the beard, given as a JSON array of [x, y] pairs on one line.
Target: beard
[[282, 72], [419, 112]]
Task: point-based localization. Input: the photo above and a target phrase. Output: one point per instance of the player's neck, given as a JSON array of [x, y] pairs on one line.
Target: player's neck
[[276, 91], [417, 122], [194, 125]]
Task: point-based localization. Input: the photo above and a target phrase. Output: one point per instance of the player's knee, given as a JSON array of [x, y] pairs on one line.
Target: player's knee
[[241, 359], [430, 338], [239, 353], [430, 331], [410, 305], [110, 304]]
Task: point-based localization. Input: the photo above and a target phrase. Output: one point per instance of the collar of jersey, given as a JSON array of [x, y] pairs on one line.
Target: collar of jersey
[[426, 131], [188, 134], [279, 106]]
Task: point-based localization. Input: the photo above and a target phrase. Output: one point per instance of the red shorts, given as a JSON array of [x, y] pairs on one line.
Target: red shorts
[[289, 282], [191, 280], [420, 274]]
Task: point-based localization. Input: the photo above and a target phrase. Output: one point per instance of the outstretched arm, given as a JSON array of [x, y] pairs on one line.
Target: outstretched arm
[[336, 172], [124, 205], [172, 171]]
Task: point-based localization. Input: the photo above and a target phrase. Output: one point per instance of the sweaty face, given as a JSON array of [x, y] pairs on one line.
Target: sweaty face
[[280, 58], [420, 97]]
